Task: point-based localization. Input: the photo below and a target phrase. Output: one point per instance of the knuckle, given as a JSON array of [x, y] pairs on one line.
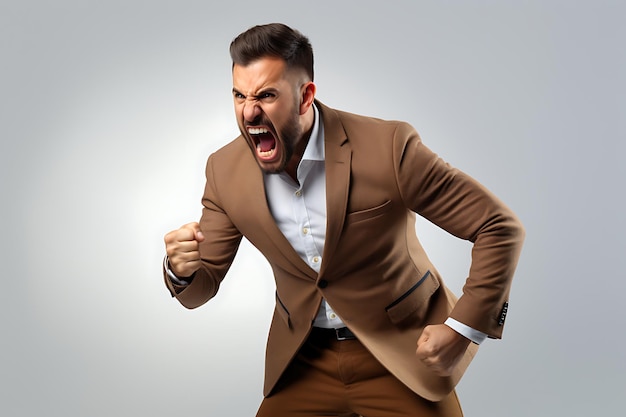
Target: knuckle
[[170, 250], [428, 350], [169, 237]]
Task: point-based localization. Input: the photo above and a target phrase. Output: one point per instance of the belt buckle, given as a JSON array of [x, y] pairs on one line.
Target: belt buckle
[[344, 334]]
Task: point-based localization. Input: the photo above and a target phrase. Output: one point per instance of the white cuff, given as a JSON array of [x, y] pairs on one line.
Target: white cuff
[[474, 335]]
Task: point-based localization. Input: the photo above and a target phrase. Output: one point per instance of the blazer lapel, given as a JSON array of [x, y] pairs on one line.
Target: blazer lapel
[[338, 155]]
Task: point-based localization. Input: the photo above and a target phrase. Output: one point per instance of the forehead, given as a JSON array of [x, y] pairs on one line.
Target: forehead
[[259, 74]]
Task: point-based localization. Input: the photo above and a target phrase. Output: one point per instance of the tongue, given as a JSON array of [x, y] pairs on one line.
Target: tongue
[[267, 142]]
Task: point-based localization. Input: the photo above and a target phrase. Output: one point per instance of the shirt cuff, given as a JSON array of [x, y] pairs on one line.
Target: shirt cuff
[[171, 275], [472, 334]]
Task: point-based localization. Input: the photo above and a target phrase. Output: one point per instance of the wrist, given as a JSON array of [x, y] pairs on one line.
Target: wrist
[[173, 277]]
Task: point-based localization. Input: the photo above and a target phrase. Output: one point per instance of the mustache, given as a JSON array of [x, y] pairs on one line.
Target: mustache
[[260, 121]]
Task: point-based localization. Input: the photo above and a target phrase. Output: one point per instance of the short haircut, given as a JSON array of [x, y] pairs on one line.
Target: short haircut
[[273, 40]]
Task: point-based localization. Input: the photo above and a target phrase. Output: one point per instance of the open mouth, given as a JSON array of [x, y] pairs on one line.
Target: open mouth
[[264, 143]]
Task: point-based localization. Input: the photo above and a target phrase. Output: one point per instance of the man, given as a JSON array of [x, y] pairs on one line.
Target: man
[[363, 323]]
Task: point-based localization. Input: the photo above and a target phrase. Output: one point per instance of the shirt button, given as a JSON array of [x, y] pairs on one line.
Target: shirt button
[[305, 231], [316, 259], [298, 193], [333, 316]]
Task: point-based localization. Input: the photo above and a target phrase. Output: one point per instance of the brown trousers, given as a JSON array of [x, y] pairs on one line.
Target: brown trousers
[[341, 378]]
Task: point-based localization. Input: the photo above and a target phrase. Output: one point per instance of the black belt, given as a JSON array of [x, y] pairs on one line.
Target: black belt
[[342, 333]]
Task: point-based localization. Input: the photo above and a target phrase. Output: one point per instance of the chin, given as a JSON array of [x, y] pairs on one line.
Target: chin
[[274, 168]]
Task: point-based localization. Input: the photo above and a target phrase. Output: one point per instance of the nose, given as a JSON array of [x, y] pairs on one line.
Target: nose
[[251, 111]]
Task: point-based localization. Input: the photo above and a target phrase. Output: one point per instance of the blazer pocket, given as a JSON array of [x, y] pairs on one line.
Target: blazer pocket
[[413, 303], [282, 311], [369, 213]]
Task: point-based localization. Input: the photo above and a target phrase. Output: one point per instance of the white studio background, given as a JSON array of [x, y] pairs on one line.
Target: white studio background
[[108, 111]]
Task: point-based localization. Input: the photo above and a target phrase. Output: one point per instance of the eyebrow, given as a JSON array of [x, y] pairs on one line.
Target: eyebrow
[[260, 93]]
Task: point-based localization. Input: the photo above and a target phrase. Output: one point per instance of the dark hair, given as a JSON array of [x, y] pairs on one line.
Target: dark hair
[[273, 40]]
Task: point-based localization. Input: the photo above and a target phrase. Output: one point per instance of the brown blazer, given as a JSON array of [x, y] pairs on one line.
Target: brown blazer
[[374, 272]]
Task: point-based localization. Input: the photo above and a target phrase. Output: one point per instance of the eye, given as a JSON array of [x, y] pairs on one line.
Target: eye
[[267, 96]]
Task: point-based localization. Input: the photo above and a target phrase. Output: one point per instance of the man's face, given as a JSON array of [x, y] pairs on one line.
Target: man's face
[[267, 106]]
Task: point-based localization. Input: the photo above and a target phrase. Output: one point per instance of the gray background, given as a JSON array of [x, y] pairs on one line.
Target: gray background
[[108, 111]]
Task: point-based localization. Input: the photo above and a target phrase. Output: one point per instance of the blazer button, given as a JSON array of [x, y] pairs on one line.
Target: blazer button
[[322, 283]]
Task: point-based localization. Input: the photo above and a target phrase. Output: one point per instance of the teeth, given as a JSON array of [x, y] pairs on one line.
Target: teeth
[[265, 154], [257, 130]]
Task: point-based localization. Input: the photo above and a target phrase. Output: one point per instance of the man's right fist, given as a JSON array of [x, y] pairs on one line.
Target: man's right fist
[[182, 248]]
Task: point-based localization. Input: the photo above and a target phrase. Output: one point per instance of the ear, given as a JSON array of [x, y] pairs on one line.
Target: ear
[[307, 96]]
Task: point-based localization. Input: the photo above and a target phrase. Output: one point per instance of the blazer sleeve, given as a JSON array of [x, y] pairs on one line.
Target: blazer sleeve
[[217, 251], [460, 205]]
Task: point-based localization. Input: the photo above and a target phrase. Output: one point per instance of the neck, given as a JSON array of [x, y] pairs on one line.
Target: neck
[[307, 127]]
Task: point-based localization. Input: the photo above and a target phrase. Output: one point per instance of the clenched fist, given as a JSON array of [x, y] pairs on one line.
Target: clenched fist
[[440, 348], [182, 248]]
